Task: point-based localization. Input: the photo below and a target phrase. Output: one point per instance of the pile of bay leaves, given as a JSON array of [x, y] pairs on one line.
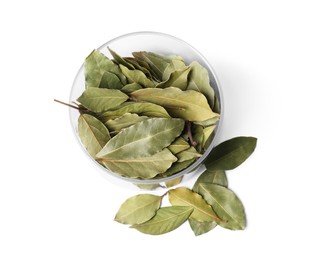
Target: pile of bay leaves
[[147, 116]]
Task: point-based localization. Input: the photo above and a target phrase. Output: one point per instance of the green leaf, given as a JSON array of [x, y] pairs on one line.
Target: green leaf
[[173, 182], [98, 99], [177, 79], [120, 60], [142, 109], [143, 139], [185, 197], [144, 67], [157, 63], [149, 186], [138, 209], [129, 88], [144, 167], [178, 145], [214, 177], [200, 227], [188, 154], [208, 122], [207, 132], [177, 167], [199, 81], [93, 134], [175, 64], [231, 153], [225, 203], [111, 81], [189, 105], [94, 67], [136, 76], [116, 125], [198, 136], [166, 219]]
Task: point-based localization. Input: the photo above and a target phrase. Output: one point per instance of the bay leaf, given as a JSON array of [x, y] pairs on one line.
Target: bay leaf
[[225, 203], [177, 167], [138, 209], [120, 60], [231, 153], [144, 67], [185, 197], [156, 62], [93, 133], [175, 65], [177, 79], [116, 125], [201, 227], [101, 99], [178, 145], [198, 136], [129, 88], [188, 154], [151, 135], [149, 186], [111, 81], [173, 182], [144, 167], [189, 105], [166, 220], [214, 177], [207, 132], [136, 76], [142, 109], [208, 122], [94, 67], [199, 80]]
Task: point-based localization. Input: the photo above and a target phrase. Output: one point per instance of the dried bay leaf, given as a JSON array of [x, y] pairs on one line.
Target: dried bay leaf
[[207, 132], [151, 135], [138, 209], [178, 145], [214, 177], [142, 109], [173, 182], [199, 81], [166, 219], [225, 203], [198, 136], [111, 81], [120, 60], [144, 67], [176, 79], [94, 67], [201, 227], [175, 65], [100, 99], [188, 154], [189, 105], [208, 122], [129, 88], [115, 125], [136, 76], [185, 197], [93, 133], [156, 62], [231, 153], [177, 167], [144, 167]]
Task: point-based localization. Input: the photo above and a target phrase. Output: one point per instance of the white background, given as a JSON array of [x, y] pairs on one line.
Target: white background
[[55, 205]]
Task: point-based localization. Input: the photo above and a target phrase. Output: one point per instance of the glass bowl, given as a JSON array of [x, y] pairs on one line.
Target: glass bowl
[[162, 44]]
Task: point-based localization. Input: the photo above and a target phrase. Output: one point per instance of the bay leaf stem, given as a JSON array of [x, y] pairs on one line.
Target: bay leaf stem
[[66, 104]]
